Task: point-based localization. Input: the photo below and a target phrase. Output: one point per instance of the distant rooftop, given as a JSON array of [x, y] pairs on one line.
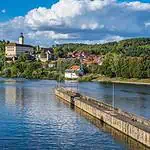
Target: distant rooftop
[[75, 68]]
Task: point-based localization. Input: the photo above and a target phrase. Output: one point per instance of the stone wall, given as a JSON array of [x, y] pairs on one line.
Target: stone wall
[[134, 117], [117, 135], [136, 128]]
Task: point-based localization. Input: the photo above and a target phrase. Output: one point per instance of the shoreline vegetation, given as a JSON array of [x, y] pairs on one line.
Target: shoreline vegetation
[[122, 80], [104, 79], [126, 61], [91, 78]]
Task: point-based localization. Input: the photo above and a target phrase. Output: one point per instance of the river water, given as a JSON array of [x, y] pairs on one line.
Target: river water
[[130, 98], [32, 118]]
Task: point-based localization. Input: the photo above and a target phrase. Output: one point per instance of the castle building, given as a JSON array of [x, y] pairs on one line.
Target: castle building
[[13, 50]]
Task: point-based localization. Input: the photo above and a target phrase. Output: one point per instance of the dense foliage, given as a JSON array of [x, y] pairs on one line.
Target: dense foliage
[[2, 52], [127, 59], [32, 69], [130, 47], [115, 65]]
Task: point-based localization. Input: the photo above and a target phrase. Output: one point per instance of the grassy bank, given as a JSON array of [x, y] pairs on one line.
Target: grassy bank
[[99, 78]]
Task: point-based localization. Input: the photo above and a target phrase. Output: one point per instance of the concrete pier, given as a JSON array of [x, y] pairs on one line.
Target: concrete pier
[[133, 126]]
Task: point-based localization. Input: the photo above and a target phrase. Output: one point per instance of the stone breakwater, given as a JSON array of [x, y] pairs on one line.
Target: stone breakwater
[[134, 126]]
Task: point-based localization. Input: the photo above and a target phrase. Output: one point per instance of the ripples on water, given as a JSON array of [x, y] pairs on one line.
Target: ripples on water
[[32, 118], [130, 98]]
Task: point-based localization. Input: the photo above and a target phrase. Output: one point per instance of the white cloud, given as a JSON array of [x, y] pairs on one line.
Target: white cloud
[[3, 11], [68, 13], [104, 40], [147, 24], [81, 20], [47, 34], [138, 6], [11, 29]]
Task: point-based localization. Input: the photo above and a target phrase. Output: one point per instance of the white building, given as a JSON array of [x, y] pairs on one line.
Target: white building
[[72, 73], [13, 50], [69, 74]]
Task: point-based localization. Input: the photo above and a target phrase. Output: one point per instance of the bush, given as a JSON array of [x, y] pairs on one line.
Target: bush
[[6, 72], [86, 78]]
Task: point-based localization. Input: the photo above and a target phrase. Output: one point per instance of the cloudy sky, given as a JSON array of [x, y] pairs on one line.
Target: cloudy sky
[[47, 22]]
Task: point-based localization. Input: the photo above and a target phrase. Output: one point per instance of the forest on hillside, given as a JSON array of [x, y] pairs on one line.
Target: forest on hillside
[[127, 58], [131, 47]]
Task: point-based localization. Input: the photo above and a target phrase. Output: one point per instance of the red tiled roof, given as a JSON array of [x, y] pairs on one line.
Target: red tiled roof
[[75, 67]]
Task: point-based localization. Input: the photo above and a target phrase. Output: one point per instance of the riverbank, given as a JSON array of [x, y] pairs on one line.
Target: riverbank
[[104, 79], [90, 78], [124, 81]]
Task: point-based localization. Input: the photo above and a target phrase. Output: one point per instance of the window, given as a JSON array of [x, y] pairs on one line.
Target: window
[[10, 48]]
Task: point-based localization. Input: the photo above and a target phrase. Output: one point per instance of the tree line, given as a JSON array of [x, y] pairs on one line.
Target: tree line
[[127, 59], [116, 65], [131, 47]]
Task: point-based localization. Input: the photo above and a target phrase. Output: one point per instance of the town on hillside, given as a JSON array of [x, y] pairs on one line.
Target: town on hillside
[[13, 51], [127, 60]]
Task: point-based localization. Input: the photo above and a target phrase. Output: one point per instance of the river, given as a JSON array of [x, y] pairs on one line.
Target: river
[[130, 98], [32, 118]]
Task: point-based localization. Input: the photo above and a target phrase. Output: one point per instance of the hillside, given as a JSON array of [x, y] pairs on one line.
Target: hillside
[[131, 47]]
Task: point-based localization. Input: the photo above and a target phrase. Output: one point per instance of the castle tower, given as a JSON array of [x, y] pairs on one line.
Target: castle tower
[[21, 39]]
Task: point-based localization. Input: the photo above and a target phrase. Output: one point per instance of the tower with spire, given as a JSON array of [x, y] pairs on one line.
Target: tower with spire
[[21, 39]]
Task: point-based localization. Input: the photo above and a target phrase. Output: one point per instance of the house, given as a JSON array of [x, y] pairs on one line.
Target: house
[[14, 50], [51, 65], [86, 58], [73, 72], [93, 59], [45, 55], [80, 55]]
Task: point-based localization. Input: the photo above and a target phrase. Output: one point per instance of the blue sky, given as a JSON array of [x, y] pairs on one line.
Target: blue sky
[[47, 22], [21, 7]]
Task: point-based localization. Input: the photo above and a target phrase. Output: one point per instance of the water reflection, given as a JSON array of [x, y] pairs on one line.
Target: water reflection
[[130, 143], [131, 98], [14, 95], [121, 138], [31, 117]]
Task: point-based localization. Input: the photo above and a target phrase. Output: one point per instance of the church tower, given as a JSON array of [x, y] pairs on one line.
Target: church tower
[[21, 39]]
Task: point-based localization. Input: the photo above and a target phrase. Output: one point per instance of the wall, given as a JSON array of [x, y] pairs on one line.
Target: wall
[[10, 51], [13, 51], [71, 75], [113, 117], [23, 49]]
